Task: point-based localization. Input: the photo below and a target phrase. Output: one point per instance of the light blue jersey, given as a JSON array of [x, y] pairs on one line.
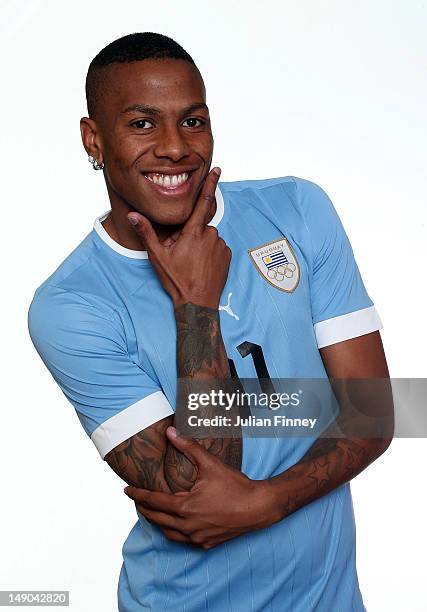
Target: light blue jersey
[[105, 328]]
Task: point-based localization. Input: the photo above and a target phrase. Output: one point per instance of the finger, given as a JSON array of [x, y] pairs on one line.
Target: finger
[[202, 211], [170, 240], [177, 536], [156, 500], [206, 541], [162, 519], [201, 536], [194, 451], [145, 230]]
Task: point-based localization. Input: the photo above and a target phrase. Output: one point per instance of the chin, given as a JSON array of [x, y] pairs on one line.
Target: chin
[[174, 218], [169, 213]]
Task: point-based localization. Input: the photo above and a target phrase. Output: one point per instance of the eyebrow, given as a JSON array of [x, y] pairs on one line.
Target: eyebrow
[[153, 111]]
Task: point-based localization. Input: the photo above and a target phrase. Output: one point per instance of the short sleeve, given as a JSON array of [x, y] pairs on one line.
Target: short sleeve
[[341, 306], [85, 350]]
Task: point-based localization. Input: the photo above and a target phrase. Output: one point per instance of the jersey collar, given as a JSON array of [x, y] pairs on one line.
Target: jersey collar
[[134, 254]]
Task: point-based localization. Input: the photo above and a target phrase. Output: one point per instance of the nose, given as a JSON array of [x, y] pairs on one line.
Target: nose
[[171, 143]]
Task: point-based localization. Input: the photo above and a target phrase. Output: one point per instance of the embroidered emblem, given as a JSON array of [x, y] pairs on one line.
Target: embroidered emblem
[[276, 262]]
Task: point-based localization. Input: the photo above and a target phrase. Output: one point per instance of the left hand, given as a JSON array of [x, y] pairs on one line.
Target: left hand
[[222, 504]]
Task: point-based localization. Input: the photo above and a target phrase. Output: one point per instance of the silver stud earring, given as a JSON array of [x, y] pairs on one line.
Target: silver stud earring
[[94, 163]]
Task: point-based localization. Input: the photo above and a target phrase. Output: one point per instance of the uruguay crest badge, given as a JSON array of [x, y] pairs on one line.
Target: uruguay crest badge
[[276, 262]]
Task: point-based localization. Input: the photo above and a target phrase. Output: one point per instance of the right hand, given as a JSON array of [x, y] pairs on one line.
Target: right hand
[[195, 267]]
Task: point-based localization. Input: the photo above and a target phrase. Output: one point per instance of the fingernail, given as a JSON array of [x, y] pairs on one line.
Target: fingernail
[[217, 171], [172, 431], [126, 490], [133, 220]]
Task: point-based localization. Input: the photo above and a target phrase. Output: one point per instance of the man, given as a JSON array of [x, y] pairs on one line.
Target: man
[[247, 279]]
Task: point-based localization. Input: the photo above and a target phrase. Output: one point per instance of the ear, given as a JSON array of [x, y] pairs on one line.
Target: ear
[[91, 138]]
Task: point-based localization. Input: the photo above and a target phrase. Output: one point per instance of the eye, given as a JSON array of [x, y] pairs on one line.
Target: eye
[[142, 124], [192, 121]]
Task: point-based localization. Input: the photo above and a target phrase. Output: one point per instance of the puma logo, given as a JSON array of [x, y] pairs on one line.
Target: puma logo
[[227, 308]]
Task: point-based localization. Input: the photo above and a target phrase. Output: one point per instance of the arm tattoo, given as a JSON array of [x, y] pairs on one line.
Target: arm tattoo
[[330, 462], [200, 356], [140, 459], [327, 465], [200, 349]]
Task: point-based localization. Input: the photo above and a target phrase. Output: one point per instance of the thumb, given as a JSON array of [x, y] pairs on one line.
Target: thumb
[[197, 454], [144, 229]]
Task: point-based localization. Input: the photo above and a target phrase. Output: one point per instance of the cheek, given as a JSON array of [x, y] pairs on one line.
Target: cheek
[[125, 154], [121, 172], [121, 164], [201, 143], [207, 146]]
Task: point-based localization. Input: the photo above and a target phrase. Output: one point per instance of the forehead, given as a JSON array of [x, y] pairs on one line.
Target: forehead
[[158, 82]]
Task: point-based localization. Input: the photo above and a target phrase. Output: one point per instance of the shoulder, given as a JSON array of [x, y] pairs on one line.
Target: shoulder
[[256, 184], [56, 300], [263, 191], [60, 291], [57, 316], [298, 199], [73, 290], [316, 209], [80, 256], [302, 192], [310, 195]]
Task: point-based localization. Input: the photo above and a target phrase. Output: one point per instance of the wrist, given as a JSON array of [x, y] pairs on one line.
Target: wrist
[[190, 306], [268, 504]]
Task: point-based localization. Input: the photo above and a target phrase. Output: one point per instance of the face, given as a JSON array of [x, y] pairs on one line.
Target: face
[[153, 134]]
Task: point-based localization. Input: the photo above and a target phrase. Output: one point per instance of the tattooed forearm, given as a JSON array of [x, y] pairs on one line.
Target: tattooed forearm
[[146, 459], [200, 356], [328, 464], [359, 434], [140, 459], [200, 348]]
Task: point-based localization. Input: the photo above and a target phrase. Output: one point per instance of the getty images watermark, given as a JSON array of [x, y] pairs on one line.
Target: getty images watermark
[[302, 407], [218, 398]]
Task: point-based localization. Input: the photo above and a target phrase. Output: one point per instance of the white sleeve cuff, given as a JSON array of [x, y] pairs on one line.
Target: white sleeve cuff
[[130, 421], [347, 326]]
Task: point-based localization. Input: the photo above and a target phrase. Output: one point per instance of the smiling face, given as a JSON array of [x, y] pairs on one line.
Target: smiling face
[[152, 131]]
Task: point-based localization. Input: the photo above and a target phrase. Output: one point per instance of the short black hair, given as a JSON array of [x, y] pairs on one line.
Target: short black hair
[[129, 48]]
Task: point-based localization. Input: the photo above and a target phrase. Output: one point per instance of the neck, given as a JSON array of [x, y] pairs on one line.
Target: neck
[[118, 227]]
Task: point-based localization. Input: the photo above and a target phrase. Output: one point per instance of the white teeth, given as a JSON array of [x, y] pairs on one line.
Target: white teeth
[[167, 180]]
